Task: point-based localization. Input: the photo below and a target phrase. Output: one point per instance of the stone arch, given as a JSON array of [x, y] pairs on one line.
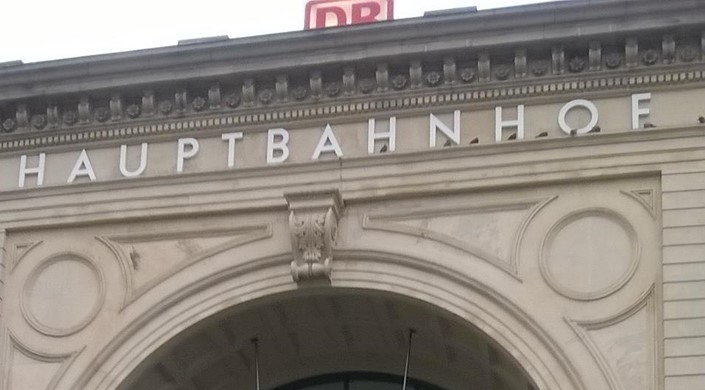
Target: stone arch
[[417, 278]]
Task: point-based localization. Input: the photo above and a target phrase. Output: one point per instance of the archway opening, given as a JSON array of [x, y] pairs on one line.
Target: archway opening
[[322, 339]]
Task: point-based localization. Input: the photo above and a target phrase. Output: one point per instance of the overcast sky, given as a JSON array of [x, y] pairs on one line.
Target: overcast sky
[[40, 30]]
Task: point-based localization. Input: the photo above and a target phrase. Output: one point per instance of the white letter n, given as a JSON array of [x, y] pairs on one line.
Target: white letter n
[[436, 124]]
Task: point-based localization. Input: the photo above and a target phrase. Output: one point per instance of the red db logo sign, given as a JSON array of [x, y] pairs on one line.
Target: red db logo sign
[[332, 13]]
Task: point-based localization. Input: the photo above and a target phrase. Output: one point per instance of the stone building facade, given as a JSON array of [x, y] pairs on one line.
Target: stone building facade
[[523, 187]]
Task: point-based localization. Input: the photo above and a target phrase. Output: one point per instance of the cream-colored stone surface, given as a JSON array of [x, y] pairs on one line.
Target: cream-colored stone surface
[[553, 262], [477, 255]]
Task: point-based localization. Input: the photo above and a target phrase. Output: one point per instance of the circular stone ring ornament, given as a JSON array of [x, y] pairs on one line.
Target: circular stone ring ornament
[[63, 295], [590, 254]]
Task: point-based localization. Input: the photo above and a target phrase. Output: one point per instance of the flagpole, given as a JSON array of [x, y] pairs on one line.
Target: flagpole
[[255, 342], [408, 358]]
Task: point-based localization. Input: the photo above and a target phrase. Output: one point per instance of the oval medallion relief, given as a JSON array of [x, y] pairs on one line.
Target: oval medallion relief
[[590, 254], [63, 295]]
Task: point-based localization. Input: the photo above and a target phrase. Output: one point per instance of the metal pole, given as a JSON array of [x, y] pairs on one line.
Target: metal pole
[[408, 357], [255, 342]]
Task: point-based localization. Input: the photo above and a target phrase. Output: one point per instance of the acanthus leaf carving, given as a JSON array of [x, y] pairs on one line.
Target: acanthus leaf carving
[[313, 226]]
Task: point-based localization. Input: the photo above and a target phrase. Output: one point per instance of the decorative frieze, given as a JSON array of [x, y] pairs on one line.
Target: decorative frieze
[[115, 107], [53, 114], [360, 80], [180, 101], [282, 88], [466, 95], [558, 59], [520, 63], [632, 52], [84, 110], [349, 81], [483, 66], [382, 77], [449, 70], [148, 103], [669, 49], [595, 55], [22, 116], [248, 92], [416, 74], [316, 84], [313, 226]]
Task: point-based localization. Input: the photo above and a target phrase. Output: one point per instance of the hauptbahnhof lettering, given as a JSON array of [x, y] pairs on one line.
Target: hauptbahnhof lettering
[[277, 141]]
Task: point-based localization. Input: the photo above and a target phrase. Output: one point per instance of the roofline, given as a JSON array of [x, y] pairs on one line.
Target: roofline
[[554, 21]]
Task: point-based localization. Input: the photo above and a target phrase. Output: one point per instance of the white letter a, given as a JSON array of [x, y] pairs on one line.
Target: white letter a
[[83, 167], [327, 143]]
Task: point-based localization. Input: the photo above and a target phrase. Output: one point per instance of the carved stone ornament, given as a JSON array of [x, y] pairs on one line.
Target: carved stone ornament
[[166, 107], [467, 75], [133, 111], [502, 72], [576, 65], [300, 93], [433, 78], [349, 82], [313, 225], [416, 74], [102, 114], [199, 103], [400, 82], [334, 89], [9, 125], [367, 85], [613, 60], [650, 57], [70, 117], [689, 54], [539, 68], [39, 121], [180, 101], [232, 100], [214, 97], [316, 84], [266, 96]]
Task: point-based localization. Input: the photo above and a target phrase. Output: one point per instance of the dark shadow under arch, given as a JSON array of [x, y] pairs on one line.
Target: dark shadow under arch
[[313, 332], [357, 381]]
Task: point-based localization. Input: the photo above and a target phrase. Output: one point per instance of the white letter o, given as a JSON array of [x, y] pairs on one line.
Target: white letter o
[[590, 106]]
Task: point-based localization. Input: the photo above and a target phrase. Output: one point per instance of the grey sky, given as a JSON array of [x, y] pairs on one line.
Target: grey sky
[[40, 30]]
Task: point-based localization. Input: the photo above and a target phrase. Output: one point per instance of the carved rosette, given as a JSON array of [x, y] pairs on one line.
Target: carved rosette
[[313, 226]]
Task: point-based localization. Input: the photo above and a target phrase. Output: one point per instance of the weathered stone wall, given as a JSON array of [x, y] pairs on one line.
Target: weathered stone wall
[[684, 275]]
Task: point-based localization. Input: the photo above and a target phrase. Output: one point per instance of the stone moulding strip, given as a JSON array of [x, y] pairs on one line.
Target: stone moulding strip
[[239, 236], [583, 327], [470, 95], [13, 345], [392, 222]]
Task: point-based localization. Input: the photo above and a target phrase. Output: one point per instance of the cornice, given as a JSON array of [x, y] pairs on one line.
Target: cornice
[[562, 20], [397, 102], [399, 66]]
